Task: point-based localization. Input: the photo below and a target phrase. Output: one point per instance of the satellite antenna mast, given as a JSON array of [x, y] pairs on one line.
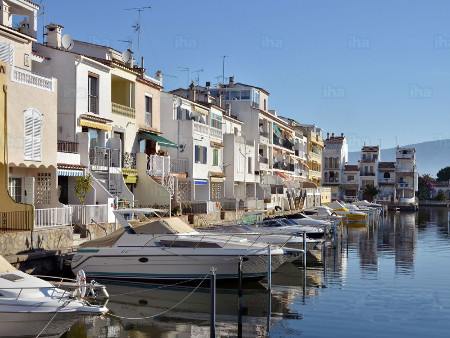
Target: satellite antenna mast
[[129, 41], [43, 20], [137, 27], [185, 69], [197, 78], [223, 68]]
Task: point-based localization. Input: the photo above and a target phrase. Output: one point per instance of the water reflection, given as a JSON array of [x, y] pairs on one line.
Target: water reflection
[[376, 279]]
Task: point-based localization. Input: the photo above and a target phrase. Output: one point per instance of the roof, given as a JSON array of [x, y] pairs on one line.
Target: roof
[[70, 166], [336, 139], [95, 44], [18, 33], [32, 3], [308, 184], [149, 83], [386, 165], [370, 149], [243, 84], [351, 167], [95, 118], [40, 55]]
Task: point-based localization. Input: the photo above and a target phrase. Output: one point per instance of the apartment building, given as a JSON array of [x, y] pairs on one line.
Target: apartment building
[[334, 159]]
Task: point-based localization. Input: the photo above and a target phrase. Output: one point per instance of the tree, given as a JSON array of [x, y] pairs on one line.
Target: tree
[[441, 196], [425, 187], [82, 187], [371, 191], [443, 174]]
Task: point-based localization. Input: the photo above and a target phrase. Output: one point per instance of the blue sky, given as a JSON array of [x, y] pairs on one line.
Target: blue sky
[[374, 70]]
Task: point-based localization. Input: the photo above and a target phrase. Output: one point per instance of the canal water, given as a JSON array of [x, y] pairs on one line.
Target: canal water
[[387, 280]]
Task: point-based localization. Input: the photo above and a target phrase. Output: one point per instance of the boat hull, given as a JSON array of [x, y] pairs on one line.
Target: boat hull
[[175, 267]]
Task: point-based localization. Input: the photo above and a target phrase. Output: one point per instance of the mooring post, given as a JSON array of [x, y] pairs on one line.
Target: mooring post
[[240, 297], [269, 267], [334, 234], [213, 303], [304, 249]]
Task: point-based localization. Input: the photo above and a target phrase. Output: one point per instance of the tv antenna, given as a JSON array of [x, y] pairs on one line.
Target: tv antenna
[[169, 75], [137, 27], [223, 68], [129, 41], [197, 78], [185, 69]]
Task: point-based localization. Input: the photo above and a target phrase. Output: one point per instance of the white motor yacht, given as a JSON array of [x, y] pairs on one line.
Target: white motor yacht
[[25, 298], [169, 249]]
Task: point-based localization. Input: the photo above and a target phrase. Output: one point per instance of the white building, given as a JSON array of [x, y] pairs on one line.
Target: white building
[[406, 175], [368, 163], [334, 159]]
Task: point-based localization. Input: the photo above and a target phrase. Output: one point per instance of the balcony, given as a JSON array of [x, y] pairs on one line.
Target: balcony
[[386, 181], [350, 197], [158, 165], [408, 155], [101, 158], [122, 110], [264, 134], [67, 152], [201, 128], [178, 165], [283, 166], [263, 160], [32, 79], [405, 169], [404, 185], [366, 173], [215, 133], [282, 142], [332, 180]]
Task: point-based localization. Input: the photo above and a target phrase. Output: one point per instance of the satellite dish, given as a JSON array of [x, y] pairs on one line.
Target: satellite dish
[[127, 56], [67, 42], [179, 102]]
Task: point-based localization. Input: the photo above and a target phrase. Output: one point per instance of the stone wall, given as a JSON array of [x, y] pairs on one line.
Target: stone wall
[[12, 243]]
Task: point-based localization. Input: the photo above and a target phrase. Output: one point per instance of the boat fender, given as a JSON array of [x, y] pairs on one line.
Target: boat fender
[[81, 284]]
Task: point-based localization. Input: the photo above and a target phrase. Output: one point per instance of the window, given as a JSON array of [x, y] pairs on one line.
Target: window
[[249, 166], [240, 164], [255, 98], [178, 113], [201, 154], [350, 178], [216, 121], [15, 189], [265, 104], [44, 188], [32, 135], [93, 93], [148, 110], [215, 156]]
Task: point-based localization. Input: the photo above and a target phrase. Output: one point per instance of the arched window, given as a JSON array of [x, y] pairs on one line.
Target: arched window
[[387, 175], [32, 144]]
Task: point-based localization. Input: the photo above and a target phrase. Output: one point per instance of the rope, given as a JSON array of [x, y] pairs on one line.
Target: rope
[[171, 308], [63, 306], [151, 289]]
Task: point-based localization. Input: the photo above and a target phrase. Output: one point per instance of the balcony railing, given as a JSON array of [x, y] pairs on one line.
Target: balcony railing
[[122, 110], [158, 166], [282, 142], [67, 147], [93, 104], [405, 169], [350, 197], [216, 133], [264, 134], [85, 214], [178, 165], [129, 160], [32, 79], [52, 217], [386, 180], [365, 173], [148, 119], [283, 166], [104, 157], [16, 220], [404, 185], [201, 128]]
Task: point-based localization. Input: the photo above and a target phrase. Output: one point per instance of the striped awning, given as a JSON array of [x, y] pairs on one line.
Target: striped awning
[[70, 172], [95, 125]]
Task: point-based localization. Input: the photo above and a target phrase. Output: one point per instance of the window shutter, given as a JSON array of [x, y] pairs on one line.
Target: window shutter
[[197, 153], [28, 137], [7, 53], [215, 157], [37, 137], [29, 190], [205, 153], [178, 113]]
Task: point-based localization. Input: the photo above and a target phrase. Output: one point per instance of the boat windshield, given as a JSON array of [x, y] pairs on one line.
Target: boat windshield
[[164, 226], [5, 266]]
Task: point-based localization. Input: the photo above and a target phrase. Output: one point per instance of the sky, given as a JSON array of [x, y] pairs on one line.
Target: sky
[[377, 71]]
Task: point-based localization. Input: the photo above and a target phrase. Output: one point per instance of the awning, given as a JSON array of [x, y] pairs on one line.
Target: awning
[[70, 172], [199, 110], [163, 142], [130, 179], [283, 175], [201, 182], [216, 144], [217, 174], [276, 129], [95, 125]]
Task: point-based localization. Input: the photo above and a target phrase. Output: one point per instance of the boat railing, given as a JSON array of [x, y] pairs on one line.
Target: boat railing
[[230, 237]]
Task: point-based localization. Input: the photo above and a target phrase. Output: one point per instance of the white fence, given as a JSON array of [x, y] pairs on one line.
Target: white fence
[[32, 79], [52, 217], [98, 213]]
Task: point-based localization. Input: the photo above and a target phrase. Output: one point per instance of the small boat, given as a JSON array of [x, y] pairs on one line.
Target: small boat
[[350, 215], [170, 250], [29, 299]]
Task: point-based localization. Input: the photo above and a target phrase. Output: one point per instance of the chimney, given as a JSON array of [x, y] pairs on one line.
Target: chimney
[[342, 134], [231, 82], [54, 33], [219, 100], [192, 92], [328, 135], [332, 134], [208, 84], [159, 76]]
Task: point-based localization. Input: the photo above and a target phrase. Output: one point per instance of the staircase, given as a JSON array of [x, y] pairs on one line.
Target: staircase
[[158, 168]]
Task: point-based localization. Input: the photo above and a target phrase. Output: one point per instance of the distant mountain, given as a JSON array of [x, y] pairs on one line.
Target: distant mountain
[[431, 156]]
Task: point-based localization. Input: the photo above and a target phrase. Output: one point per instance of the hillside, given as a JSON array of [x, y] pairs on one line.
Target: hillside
[[431, 156]]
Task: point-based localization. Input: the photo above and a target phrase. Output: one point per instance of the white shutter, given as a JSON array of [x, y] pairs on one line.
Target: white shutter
[[7, 53], [28, 137], [37, 137], [29, 190]]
